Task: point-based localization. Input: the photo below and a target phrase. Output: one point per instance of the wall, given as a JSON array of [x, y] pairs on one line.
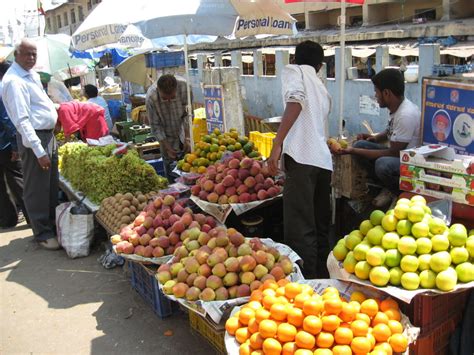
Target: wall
[[262, 94]]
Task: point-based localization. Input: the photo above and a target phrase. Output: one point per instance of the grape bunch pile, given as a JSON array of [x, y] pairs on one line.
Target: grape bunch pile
[[98, 173]]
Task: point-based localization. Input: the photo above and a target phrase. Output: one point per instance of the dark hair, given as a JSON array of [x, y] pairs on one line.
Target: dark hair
[[390, 79], [167, 84], [4, 67], [91, 90], [309, 53]]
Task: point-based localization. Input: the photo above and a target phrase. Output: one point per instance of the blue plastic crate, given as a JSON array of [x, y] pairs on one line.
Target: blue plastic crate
[[164, 59], [157, 164], [144, 282]]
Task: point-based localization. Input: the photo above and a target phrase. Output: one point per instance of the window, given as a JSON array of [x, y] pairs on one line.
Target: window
[[89, 4], [356, 20], [81, 13], [423, 15], [73, 16], [66, 20], [58, 20]]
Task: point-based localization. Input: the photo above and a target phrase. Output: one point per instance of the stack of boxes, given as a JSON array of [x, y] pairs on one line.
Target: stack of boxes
[[436, 171], [263, 141]]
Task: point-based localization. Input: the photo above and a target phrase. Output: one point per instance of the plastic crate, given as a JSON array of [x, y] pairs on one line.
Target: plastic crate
[[144, 282], [213, 336], [123, 129], [437, 341], [199, 128], [114, 108], [157, 164], [164, 59], [428, 312]]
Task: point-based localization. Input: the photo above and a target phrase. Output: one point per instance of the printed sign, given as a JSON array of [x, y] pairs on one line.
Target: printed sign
[[368, 105], [214, 103], [448, 114]]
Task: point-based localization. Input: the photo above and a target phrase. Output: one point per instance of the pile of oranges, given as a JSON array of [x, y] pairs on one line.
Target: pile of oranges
[[289, 318]]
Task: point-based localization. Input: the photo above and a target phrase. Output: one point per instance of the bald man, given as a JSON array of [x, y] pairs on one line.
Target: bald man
[[34, 116]]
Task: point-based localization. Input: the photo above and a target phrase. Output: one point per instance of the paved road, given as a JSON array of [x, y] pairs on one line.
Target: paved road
[[52, 304]]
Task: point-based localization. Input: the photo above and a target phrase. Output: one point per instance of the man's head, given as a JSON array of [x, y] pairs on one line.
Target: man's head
[[167, 85], [309, 53], [91, 91], [441, 122], [25, 54], [389, 86], [3, 68]]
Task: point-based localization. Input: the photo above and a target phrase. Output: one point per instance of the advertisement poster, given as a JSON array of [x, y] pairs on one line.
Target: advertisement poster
[[214, 104], [448, 114]]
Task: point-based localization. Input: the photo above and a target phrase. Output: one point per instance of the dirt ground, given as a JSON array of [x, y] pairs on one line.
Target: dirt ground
[[51, 304]]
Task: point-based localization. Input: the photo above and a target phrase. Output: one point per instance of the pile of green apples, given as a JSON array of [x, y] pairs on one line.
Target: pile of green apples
[[408, 247]]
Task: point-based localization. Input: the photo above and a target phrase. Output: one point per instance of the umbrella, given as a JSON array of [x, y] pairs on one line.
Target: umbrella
[[54, 57]]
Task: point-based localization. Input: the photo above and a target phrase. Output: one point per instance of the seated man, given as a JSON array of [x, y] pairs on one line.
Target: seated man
[[402, 132], [92, 93]]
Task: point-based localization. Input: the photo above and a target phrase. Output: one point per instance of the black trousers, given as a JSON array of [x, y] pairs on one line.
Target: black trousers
[[11, 178], [307, 215]]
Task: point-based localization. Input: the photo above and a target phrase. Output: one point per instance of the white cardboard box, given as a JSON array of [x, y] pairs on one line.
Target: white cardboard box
[[465, 182]]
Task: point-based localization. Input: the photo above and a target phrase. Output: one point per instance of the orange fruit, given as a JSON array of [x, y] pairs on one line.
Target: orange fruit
[[303, 352], [356, 305], [369, 307], [245, 349], [254, 305], [256, 341], [283, 300], [289, 348], [242, 334], [271, 346], [300, 299], [385, 347], [295, 317], [343, 336], [280, 291], [364, 317], [388, 303], [269, 283], [312, 325], [395, 326], [330, 323], [380, 317], [257, 352], [261, 314], [256, 295], [358, 296], [371, 338], [245, 315], [268, 301], [342, 350], [268, 292], [333, 306], [312, 307], [331, 290], [393, 314], [361, 345], [307, 289], [322, 351], [359, 328], [324, 340], [381, 332], [278, 312], [292, 289], [304, 340], [286, 332], [267, 328], [283, 282], [232, 325], [253, 326], [375, 352], [398, 342], [348, 312]]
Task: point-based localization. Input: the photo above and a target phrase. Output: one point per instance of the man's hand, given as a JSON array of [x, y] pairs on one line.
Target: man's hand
[[187, 146], [15, 156], [344, 151], [44, 162], [272, 161], [365, 137]]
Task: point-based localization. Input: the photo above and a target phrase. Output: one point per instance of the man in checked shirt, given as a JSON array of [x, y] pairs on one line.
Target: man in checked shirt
[[166, 108]]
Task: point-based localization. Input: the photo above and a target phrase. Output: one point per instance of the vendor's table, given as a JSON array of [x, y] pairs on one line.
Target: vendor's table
[[73, 194]]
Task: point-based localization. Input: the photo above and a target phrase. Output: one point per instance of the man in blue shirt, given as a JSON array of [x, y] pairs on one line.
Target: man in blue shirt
[[10, 167], [92, 93]]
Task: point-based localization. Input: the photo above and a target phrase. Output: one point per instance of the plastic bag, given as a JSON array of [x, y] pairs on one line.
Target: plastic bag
[[75, 229]]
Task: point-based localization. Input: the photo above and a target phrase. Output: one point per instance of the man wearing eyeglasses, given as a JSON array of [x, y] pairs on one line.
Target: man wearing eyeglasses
[[166, 104]]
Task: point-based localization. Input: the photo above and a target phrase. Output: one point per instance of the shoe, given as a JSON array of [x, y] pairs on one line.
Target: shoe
[[383, 198], [50, 244]]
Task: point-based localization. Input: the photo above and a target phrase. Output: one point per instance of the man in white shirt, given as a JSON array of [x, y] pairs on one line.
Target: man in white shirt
[[91, 93], [307, 161], [402, 132], [34, 116]]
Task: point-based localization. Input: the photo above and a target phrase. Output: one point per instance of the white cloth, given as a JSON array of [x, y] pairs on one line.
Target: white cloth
[[58, 92], [404, 124], [306, 140], [99, 100], [28, 106]]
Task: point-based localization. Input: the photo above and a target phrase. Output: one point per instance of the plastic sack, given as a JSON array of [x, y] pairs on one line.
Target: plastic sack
[[75, 231]]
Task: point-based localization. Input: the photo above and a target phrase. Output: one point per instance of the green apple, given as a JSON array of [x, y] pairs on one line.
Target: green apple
[[375, 256], [379, 276], [457, 235], [374, 235], [390, 240], [424, 262], [470, 246], [365, 226], [349, 262], [354, 238], [401, 210], [392, 257], [418, 199], [407, 245], [446, 280], [423, 245], [410, 280], [465, 272], [340, 251], [409, 263], [437, 226], [427, 279], [396, 276], [459, 255], [440, 261], [416, 213], [420, 229], [389, 223], [390, 213], [440, 242], [376, 217], [361, 250], [362, 270], [404, 227]]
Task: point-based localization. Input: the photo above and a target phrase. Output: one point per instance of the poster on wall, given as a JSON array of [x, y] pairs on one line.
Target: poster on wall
[[214, 104], [448, 114]]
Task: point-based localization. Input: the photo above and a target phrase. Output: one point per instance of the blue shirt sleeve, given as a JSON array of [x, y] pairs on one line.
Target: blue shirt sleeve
[[7, 129]]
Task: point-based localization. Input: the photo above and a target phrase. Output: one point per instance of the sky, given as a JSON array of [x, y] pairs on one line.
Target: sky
[[10, 8]]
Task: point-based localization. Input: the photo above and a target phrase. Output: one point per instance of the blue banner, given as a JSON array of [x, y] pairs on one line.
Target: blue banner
[[214, 104], [448, 114]]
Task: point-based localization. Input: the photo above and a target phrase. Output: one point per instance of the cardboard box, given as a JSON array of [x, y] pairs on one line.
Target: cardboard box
[[436, 177], [438, 157], [349, 177], [420, 187]]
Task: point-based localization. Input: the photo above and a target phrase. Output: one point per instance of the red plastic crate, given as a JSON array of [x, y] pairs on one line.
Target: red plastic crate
[[427, 311], [437, 341], [144, 282]]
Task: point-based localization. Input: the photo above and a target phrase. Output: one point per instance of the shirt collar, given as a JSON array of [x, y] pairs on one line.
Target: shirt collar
[[22, 72]]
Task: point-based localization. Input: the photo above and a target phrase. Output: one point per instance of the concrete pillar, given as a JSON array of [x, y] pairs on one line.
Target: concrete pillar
[[201, 60], [218, 59], [236, 60], [257, 63], [282, 58], [365, 14], [446, 10], [347, 62], [382, 58], [429, 56], [339, 77]]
